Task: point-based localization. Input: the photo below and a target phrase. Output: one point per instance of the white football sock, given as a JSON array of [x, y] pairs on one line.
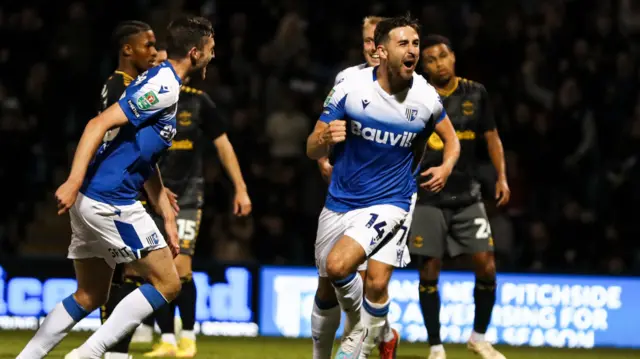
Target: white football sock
[[53, 329], [437, 348], [324, 325], [374, 316], [349, 292], [168, 338], [477, 337], [189, 334], [126, 317]]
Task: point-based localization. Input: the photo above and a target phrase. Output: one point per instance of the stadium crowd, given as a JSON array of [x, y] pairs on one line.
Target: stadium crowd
[[563, 77]]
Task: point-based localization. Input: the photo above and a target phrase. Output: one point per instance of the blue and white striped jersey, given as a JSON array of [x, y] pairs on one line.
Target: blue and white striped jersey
[[129, 154], [373, 165]]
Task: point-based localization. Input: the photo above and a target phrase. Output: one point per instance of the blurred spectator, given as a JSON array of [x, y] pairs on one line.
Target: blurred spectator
[[287, 130]]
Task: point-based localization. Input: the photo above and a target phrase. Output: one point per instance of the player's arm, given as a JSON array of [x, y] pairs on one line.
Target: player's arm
[[94, 131], [325, 167], [215, 127], [436, 177], [156, 194], [330, 128], [494, 146], [451, 151], [241, 203]]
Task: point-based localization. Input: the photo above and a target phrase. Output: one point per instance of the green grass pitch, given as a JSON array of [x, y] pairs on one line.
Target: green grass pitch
[[11, 342]]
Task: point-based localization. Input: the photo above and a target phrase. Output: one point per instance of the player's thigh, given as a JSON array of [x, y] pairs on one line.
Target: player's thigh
[[470, 231], [330, 229], [373, 227], [344, 258], [159, 269], [84, 244], [124, 233], [94, 281], [366, 231], [394, 252], [429, 228]]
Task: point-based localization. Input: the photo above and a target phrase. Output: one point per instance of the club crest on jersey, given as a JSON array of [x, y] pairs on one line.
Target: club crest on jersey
[[411, 113], [467, 108], [184, 118], [145, 101], [328, 99]]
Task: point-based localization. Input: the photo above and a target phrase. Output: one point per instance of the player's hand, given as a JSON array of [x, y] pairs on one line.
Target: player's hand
[[503, 193], [66, 195], [336, 132], [242, 204], [436, 178], [173, 200], [173, 241]]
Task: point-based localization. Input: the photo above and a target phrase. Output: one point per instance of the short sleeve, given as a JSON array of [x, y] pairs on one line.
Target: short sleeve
[[438, 112], [213, 124], [149, 95], [334, 105], [487, 118]]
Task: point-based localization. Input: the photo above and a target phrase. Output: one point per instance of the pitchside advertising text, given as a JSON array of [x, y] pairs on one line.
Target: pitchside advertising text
[[223, 308], [536, 310]]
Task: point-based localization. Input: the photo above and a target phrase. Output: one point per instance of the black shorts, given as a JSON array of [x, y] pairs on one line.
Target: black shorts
[[463, 230], [188, 227]]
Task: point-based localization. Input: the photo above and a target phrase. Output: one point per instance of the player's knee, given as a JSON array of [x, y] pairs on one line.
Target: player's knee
[[183, 265], [376, 286], [430, 269], [485, 266], [91, 301], [337, 267], [169, 286]]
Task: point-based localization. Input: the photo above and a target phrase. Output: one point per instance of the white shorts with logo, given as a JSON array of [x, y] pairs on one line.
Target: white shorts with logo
[[118, 234], [371, 228]]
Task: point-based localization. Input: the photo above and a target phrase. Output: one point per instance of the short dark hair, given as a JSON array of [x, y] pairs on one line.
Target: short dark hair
[[125, 30], [161, 45], [385, 26], [187, 32], [435, 39]]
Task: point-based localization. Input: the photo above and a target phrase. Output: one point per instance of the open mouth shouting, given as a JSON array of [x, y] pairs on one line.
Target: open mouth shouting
[[409, 64]]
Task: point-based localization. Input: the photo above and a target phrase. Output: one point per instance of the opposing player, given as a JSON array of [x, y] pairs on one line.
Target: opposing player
[[135, 42], [115, 158], [454, 219], [182, 172], [325, 318], [370, 122]]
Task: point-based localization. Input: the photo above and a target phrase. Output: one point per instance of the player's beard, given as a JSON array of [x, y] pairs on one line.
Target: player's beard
[[440, 81], [200, 64]]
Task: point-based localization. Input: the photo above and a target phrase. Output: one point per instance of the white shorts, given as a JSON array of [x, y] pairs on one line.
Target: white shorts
[[370, 227], [117, 234]]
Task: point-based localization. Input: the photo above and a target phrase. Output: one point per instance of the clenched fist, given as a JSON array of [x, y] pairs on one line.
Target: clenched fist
[[336, 132]]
